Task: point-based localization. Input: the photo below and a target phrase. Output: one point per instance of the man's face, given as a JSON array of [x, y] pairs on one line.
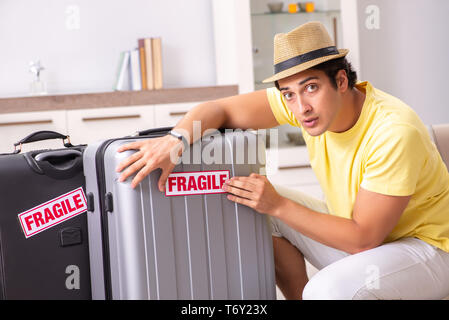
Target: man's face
[[313, 100]]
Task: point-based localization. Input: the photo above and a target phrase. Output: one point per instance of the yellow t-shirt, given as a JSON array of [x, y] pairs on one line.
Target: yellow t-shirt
[[388, 151]]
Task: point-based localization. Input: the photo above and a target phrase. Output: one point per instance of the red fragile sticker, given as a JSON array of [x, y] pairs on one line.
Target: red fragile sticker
[[195, 182], [53, 212]]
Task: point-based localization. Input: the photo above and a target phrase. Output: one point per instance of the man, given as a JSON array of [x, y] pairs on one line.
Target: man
[[383, 232]]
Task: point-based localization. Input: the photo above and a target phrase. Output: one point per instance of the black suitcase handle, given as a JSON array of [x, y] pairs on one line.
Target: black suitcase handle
[[42, 135], [44, 156], [58, 164], [163, 130]]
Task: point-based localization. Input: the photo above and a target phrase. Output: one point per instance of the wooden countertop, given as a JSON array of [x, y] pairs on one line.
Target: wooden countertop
[[114, 99]]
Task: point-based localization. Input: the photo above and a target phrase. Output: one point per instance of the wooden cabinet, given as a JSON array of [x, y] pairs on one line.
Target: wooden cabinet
[[168, 115], [88, 125], [16, 126], [87, 117]]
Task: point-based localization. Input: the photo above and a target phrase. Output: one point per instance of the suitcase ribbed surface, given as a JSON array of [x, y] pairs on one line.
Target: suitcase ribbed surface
[[187, 247]]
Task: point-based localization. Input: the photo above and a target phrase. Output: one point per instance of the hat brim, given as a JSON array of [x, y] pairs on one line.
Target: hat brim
[[304, 66]]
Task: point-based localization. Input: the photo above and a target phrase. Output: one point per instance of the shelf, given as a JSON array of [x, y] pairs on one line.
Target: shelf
[[285, 13], [114, 99]]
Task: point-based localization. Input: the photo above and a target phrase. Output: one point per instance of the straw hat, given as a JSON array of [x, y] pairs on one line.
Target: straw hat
[[302, 48]]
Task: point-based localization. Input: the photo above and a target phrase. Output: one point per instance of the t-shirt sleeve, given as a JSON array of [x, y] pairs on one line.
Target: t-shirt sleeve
[[282, 114], [394, 161]]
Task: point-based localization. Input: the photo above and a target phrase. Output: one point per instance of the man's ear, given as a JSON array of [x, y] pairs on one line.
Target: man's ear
[[342, 80]]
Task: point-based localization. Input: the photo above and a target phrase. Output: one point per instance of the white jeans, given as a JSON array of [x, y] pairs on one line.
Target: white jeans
[[408, 268]]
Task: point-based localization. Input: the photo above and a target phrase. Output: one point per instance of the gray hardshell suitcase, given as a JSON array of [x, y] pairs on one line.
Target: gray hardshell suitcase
[[148, 245]]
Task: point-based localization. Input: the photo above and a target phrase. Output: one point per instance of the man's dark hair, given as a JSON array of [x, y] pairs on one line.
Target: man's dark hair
[[331, 68]]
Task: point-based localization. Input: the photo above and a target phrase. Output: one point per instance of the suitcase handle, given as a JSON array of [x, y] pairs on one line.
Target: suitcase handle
[[58, 164], [42, 135], [163, 130], [57, 154]]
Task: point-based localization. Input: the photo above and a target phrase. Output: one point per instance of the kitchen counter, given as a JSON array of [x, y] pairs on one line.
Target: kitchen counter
[[114, 99]]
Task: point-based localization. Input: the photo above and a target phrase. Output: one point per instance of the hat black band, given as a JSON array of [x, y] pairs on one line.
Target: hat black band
[[289, 63]]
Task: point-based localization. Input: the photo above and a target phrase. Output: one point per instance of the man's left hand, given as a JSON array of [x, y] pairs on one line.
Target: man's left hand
[[255, 192]]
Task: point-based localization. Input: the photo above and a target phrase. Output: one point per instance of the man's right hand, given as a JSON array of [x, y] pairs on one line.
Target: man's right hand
[[162, 152]]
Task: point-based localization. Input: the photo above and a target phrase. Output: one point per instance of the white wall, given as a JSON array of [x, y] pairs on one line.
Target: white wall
[[350, 30], [408, 55], [85, 59], [233, 47]]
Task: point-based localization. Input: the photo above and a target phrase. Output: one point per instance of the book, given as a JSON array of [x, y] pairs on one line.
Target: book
[[156, 44], [122, 76], [149, 63], [136, 82], [143, 68]]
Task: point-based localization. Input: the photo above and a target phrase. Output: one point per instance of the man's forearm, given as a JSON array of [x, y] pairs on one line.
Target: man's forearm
[[337, 232]]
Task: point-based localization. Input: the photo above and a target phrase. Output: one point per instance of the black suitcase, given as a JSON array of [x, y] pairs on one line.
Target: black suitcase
[[44, 251]]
